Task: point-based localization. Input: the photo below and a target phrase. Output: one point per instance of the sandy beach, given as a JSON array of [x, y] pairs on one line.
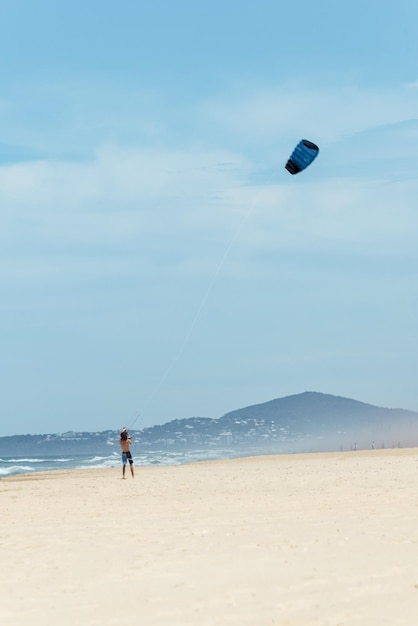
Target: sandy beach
[[300, 540]]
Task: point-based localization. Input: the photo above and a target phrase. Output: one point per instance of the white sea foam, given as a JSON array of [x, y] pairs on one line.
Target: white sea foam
[[107, 463], [23, 460], [15, 469], [10, 466]]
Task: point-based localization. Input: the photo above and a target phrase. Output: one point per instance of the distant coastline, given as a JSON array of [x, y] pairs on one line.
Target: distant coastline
[[306, 422]]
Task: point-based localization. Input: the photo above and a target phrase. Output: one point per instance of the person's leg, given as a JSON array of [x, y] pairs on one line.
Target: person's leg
[[124, 461], [132, 470]]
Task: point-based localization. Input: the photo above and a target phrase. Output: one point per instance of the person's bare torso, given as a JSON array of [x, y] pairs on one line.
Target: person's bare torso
[[124, 444]]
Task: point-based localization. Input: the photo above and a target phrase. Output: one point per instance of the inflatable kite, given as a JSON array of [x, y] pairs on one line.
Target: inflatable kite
[[302, 156]]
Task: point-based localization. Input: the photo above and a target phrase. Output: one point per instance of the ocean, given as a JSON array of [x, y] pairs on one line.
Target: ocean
[[13, 465]]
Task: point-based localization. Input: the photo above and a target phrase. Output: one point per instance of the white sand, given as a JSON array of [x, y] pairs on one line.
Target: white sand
[[301, 540]]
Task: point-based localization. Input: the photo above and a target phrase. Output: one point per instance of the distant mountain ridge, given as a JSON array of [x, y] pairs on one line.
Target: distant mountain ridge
[[305, 421], [328, 409], [309, 421]]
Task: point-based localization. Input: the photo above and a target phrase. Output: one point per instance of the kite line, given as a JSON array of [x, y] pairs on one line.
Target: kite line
[[199, 310], [303, 155]]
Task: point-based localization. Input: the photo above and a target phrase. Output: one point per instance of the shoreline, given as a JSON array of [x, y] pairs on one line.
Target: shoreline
[[378, 452]]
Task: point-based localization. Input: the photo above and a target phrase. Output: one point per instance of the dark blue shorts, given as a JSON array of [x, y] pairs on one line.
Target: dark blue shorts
[[127, 456]]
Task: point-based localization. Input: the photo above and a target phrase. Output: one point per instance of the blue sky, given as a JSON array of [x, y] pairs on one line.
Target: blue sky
[[155, 256]]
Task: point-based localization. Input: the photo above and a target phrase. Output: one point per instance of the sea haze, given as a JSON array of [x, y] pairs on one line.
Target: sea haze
[[306, 422]]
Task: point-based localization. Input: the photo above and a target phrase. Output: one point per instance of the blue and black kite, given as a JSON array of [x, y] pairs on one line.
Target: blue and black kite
[[302, 156]]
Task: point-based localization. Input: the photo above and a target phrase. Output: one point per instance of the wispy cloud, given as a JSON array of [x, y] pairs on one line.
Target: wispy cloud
[[329, 113]]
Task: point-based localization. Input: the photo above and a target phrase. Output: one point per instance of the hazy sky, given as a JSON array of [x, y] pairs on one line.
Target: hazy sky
[[155, 256]]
